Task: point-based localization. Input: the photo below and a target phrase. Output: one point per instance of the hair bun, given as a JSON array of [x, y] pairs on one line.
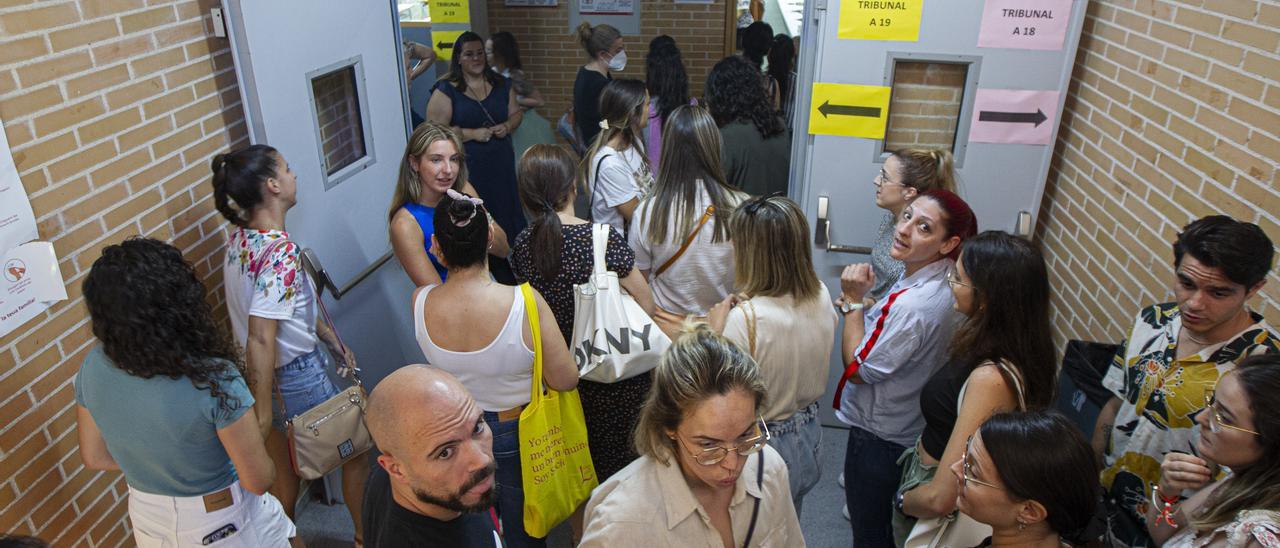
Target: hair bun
[[219, 161], [584, 32]]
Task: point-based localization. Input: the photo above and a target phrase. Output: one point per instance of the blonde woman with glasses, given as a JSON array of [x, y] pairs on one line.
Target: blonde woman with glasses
[[706, 476], [1239, 430], [784, 319]]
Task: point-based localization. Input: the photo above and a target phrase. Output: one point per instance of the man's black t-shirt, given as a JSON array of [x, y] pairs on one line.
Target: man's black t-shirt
[[389, 525]]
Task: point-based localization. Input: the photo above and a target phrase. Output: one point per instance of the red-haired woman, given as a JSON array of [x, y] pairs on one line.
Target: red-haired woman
[[891, 347]]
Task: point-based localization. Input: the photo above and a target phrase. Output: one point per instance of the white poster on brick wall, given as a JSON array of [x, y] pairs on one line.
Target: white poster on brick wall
[[606, 7], [17, 223], [30, 283]]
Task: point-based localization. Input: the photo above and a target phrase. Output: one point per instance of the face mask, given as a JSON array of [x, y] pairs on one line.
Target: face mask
[[619, 61]]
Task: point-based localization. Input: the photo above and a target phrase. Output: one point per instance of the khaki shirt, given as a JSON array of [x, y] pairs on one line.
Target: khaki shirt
[[648, 504]]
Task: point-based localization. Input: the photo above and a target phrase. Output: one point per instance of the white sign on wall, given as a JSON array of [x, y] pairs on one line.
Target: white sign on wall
[[17, 223], [29, 277], [606, 7]]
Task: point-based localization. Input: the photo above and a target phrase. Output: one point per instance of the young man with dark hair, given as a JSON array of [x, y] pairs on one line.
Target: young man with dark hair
[[1173, 358]]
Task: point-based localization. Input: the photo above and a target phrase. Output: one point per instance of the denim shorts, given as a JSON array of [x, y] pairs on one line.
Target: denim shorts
[[304, 383], [798, 439]]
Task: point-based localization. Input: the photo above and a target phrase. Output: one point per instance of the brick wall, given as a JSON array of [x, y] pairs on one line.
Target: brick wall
[[925, 106], [1173, 114], [338, 116], [551, 54], [113, 109]]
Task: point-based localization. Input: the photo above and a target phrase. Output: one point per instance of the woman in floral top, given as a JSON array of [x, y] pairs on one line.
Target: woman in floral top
[[1239, 431], [272, 305]]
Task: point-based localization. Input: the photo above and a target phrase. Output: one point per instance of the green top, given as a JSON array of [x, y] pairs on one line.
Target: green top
[[162, 432], [756, 165]]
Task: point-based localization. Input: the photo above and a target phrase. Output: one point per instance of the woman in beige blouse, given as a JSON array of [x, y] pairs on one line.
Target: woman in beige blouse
[[706, 476], [783, 317]]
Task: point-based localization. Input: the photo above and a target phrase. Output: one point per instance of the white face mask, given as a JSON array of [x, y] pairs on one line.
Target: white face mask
[[619, 61]]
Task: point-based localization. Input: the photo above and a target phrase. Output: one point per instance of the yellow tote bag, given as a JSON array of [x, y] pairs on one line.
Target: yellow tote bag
[[554, 458]]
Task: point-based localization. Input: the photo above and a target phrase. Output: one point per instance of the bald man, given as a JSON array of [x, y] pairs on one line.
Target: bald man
[[435, 482]]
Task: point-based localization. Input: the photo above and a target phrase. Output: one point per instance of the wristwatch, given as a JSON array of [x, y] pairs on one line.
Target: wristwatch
[[898, 499], [847, 307]]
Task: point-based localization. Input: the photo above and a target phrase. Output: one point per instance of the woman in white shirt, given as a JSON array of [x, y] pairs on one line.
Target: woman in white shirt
[[783, 318], [615, 169], [706, 475], [681, 241], [477, 329], [272, 306]]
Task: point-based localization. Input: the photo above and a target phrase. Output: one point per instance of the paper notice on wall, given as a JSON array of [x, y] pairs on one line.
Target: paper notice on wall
[[1021, 116], [29, 284], [17, 223], [606, 7], [532, 3], [1025, 24], [894, 20]]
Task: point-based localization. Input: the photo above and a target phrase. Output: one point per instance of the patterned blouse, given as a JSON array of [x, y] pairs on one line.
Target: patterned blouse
[[1261, 526], [1160, 397]]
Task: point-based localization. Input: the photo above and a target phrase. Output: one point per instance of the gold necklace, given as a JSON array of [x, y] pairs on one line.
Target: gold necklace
[[1187, 332]]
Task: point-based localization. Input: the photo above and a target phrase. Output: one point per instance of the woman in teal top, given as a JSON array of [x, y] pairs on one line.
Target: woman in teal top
[[433, 162], [163, 399]]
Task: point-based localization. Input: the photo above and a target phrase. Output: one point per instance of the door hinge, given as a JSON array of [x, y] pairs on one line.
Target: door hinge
[[820, 5]]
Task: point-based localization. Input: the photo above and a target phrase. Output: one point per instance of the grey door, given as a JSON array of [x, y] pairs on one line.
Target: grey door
[[322, 82], [1003, 182]]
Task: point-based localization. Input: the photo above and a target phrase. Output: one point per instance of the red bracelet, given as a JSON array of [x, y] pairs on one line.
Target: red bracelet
[[1166, 509]]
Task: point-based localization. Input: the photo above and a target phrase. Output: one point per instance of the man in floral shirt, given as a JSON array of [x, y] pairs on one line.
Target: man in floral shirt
[[1174, 354]]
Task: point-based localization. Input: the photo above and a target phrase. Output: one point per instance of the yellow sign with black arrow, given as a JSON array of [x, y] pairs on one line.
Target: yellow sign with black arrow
[[849, 110], [442, 41]]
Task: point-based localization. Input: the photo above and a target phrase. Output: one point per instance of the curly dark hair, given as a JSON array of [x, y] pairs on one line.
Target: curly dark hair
[[148, 309], [664, 75], [735, 92]]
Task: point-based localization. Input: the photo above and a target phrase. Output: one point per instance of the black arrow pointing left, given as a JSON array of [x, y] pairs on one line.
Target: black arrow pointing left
[[442, 45], [1036, 117], [828, 109]]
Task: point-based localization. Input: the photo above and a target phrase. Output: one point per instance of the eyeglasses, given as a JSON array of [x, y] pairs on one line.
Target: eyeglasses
[[882, 179], [1216, 424], [754, 205], [966, 468], [713, 455], [953, 278]]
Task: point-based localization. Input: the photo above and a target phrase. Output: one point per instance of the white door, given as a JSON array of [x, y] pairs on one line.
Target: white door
[[322, 82], [994, 98]]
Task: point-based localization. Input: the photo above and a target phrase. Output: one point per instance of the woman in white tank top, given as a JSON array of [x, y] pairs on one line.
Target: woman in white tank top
[[477, 330]]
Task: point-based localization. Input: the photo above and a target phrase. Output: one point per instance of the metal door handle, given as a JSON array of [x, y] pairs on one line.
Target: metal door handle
[[822, 233]]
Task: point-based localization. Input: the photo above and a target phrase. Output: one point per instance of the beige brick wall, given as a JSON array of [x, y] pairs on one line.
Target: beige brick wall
[[924, 108], [1173, 114], [551, 55], [113, 109]]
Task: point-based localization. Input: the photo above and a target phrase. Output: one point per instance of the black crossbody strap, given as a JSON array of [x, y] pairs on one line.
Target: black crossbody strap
[[755, 511]]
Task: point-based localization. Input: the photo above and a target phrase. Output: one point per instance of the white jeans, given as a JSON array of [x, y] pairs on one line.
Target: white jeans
[[246, 520]]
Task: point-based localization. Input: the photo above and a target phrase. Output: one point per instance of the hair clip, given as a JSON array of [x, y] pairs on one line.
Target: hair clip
[[476, 202], [604, 124]]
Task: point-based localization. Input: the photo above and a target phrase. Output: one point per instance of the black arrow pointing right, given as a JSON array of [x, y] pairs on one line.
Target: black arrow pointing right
[[828, 109], [1036, 117]]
